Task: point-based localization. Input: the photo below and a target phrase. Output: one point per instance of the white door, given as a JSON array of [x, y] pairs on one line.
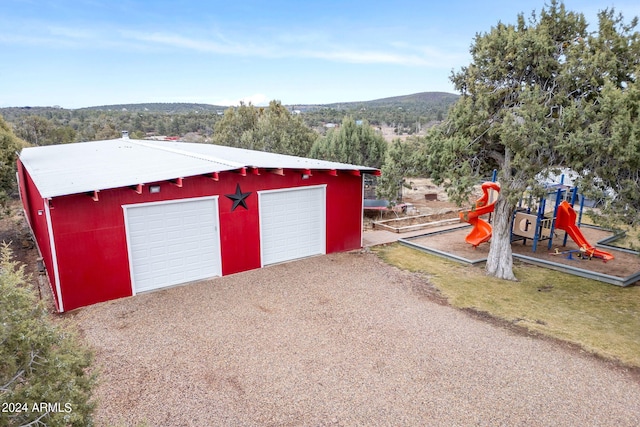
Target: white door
[[172, 242], [292, 223]]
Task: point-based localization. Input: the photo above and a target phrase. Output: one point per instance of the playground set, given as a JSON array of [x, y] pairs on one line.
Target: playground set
[[543, 224], [534, 221]]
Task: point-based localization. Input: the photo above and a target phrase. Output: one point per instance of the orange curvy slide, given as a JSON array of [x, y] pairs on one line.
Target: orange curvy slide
[[566, 220], [481, 231]]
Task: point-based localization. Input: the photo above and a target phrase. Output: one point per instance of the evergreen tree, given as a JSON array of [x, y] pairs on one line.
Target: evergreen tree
[[9, 146], [279, 131], [400, 162], [540, 95], [43, 374], [354, 143], [605, 149], [273, 129]]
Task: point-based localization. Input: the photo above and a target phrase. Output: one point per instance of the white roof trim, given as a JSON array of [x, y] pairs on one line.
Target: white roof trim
[[59, 170]]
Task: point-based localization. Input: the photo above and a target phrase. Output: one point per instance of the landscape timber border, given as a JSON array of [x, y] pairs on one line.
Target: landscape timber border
[[606, 278]]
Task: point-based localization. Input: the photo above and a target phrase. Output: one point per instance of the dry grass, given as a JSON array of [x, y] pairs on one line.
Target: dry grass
[[631, 240], [601, 318]]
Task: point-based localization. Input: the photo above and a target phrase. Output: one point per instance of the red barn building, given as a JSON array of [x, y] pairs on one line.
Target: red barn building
[[114, 218]]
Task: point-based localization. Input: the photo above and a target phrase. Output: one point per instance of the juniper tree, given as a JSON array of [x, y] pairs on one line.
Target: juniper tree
[[605, 146], [44, 378], [9, 146], [399, 163], [539, 95], [273, 129]]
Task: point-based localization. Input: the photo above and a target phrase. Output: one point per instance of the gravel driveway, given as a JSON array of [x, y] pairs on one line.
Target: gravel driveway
[[336, 340]]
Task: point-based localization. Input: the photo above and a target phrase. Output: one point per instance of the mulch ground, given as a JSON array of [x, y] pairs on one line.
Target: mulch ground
[[623, 265]]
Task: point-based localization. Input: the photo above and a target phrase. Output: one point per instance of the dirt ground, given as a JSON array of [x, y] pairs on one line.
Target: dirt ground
[[389, 134], [416, 196], [419, 204], [335, 340], [623, 265]]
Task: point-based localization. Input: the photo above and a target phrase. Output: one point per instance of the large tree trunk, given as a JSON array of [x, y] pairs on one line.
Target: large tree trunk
[[500, 259]]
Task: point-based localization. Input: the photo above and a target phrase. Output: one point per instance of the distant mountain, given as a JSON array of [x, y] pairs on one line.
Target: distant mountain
[[414, 100], [160, 107]]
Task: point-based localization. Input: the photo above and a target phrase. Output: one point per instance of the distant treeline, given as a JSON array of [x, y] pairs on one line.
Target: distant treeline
[[46, 126], [196, 122]]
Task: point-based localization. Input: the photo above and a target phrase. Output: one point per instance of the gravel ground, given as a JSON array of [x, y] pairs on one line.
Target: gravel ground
[[336, 340]]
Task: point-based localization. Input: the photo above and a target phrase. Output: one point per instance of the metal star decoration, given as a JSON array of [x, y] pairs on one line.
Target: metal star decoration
[[238, 198]]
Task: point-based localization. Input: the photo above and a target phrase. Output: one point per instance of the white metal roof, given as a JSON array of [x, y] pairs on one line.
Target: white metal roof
[[59, 170]]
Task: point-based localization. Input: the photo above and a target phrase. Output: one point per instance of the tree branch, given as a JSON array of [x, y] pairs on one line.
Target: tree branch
[[6, 386], [497, 156], [37, 421]]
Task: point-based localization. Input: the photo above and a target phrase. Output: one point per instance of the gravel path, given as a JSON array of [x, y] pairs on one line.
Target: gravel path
[[336, 340]]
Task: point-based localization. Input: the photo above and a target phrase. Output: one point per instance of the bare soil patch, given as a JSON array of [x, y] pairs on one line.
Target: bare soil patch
[[418, 203]]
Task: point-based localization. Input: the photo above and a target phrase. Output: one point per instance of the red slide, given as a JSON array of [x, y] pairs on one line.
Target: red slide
[[566, 220], [481, 231]]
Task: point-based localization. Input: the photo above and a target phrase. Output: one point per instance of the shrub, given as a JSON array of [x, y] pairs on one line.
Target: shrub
[[44, 374]]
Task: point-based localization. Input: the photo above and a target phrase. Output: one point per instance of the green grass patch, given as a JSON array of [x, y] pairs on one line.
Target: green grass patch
[[631, 240], [601, 318]]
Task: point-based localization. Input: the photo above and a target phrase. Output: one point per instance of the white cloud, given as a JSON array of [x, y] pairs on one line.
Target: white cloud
[[312, 45], [368, 57], [284, 47], [173, 40]]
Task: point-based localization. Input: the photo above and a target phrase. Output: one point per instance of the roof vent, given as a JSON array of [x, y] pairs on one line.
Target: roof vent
[[125, 134]]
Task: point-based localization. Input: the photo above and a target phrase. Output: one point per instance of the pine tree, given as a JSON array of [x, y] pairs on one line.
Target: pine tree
[[354, 143]]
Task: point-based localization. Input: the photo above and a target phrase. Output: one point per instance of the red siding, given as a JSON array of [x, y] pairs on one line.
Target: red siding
[[344, 214], [91, 241], [34, 209]]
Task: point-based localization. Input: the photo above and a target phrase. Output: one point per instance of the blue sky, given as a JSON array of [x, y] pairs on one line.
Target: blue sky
[[97, 52]]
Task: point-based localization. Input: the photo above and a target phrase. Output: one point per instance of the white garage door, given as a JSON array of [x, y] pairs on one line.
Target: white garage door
[[292, 223], [172, 242]]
